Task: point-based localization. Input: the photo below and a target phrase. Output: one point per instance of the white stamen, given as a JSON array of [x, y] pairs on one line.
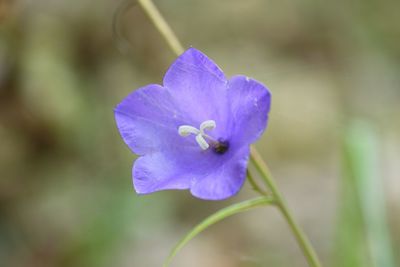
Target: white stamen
[[186, 130], [207, 125]]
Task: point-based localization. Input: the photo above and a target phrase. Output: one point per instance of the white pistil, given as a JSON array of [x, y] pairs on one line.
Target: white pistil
[[186, 130], [207, 125], [202, 142]]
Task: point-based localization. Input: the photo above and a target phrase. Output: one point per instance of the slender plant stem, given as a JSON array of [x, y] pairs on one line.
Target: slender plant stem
[[162, 26], [160, 23], [301, 238]]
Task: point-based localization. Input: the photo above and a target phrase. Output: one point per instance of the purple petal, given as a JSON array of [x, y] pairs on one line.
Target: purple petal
[[250, 103], [225, 181], [156, 172], [148, 120], [195, 90], [211, 176], [198, 86]]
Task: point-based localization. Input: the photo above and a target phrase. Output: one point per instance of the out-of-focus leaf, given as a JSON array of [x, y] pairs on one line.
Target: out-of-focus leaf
[[363, 234]]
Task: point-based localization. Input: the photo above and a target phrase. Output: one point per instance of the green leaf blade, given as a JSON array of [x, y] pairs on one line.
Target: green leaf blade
[[363, 231]]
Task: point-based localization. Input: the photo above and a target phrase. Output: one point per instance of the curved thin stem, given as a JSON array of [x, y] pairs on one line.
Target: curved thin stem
[[162, 26], [254, 184], [159, 22], [216, 217], [301, 238]]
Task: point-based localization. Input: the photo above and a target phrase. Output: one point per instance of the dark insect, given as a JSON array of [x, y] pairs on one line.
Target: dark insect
[[221, 147]]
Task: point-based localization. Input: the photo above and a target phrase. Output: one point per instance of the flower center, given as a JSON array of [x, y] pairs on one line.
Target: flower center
[[201, 136]]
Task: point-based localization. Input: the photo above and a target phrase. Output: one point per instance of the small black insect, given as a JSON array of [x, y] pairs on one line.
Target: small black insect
[[221, 146]]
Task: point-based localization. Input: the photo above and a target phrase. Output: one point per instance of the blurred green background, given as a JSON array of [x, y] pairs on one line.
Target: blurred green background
[[66, 197]]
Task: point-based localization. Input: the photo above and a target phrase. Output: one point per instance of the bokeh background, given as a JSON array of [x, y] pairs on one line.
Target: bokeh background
[[333, 141]]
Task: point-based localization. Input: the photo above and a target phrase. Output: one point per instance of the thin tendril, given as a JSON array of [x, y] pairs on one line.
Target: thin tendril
[[120, 40]]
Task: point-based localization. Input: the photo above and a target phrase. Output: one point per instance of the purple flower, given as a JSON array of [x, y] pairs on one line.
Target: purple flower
[[195, 131]]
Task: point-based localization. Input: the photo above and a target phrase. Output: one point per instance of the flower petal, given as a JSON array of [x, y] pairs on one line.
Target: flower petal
[[250, 103], [198, 86], [225, 181], [148, 119], [155, 172]]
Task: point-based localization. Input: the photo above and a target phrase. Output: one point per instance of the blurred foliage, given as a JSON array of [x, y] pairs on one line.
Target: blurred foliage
[[363, 235], [66, 197]]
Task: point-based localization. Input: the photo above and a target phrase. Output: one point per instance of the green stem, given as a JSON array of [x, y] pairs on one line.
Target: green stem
[[165, 30], [162, 26], [301, 238]]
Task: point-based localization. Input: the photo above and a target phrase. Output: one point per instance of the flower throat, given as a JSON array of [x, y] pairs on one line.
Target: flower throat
[[204, 140]]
